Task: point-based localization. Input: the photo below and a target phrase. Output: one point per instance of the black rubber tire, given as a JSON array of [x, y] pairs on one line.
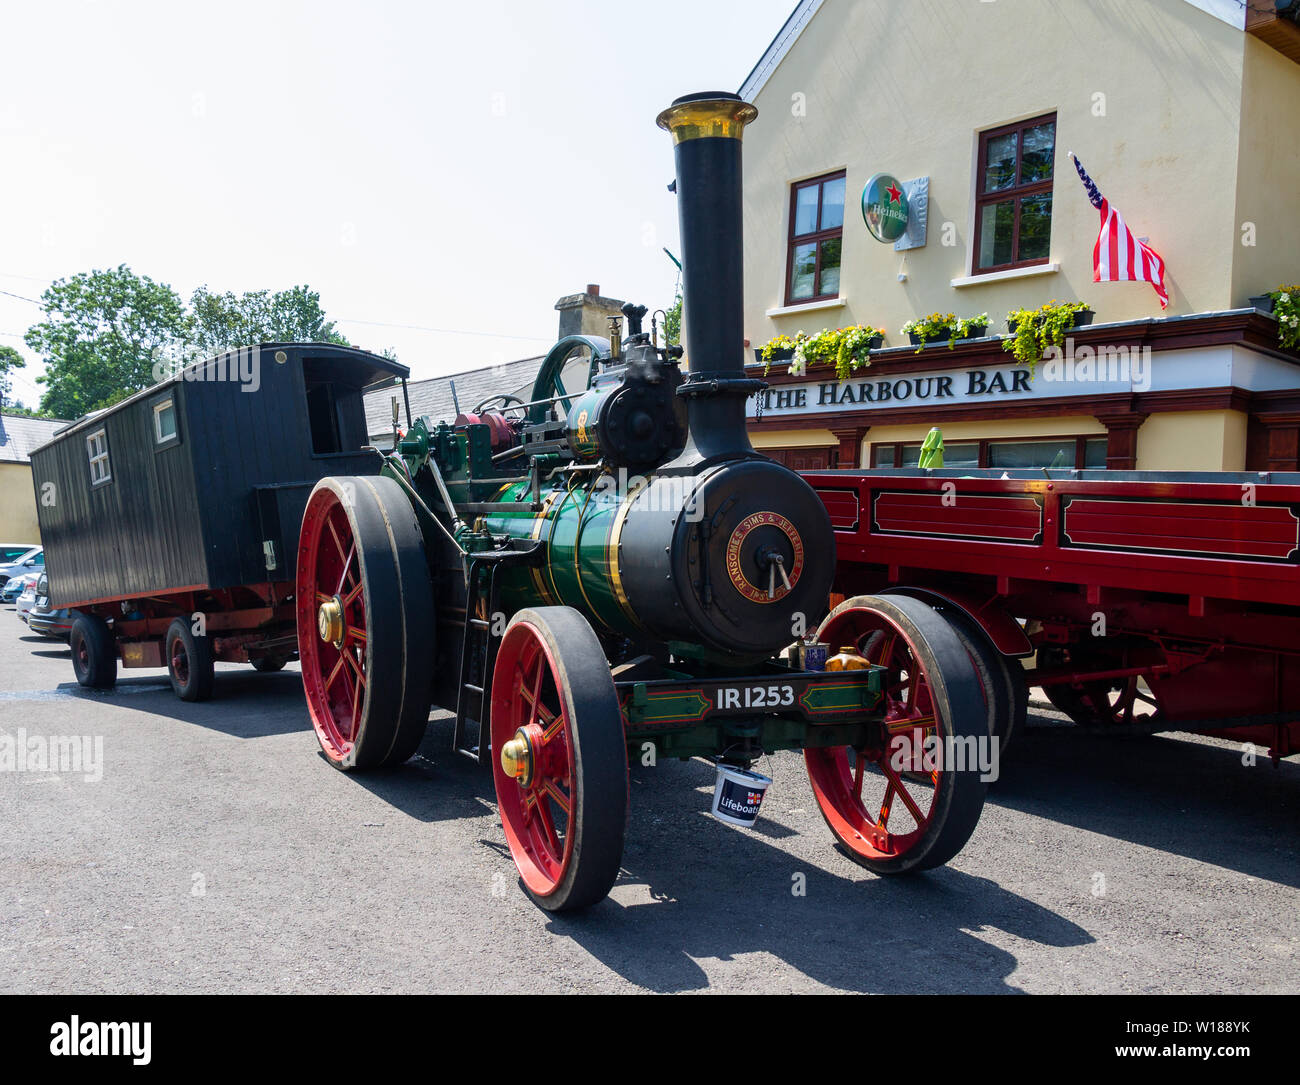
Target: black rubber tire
[[269, 664], [600, 786], [399, 610], [94, 653], [1003, 678], [200, 672], [956, 689], [1008, 702]]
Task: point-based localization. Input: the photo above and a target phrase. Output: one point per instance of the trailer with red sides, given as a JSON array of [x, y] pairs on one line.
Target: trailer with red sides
[[1149, 601]]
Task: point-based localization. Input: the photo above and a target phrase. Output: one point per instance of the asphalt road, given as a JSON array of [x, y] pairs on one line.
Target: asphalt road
[[219, 852]]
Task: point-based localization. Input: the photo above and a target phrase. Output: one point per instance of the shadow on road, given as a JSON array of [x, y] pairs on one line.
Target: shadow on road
[[1170, 792], [716, 892], [910, 934], [245, 703]]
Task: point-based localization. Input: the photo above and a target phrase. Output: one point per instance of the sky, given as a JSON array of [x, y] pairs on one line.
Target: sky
[[456, 167]]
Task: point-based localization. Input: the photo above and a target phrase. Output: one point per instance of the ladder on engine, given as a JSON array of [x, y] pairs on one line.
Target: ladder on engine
[[473, 730]]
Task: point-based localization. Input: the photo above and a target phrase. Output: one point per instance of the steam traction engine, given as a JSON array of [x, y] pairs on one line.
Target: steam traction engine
[[610, 564]]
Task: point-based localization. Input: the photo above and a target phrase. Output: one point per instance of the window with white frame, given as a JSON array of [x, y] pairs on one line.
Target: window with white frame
[[164, 421], [97, 454]]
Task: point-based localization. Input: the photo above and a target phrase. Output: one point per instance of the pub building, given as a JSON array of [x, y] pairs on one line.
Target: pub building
[[960, 117]]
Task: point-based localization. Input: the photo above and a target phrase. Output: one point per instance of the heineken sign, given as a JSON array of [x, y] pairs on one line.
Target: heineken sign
[[884, 207]]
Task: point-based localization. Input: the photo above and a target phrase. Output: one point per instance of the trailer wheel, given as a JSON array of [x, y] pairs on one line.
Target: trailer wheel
[[365, 622], [559, 758], [1106, 702], [269, 664], [189, 662], [94, 655], [890, 817]]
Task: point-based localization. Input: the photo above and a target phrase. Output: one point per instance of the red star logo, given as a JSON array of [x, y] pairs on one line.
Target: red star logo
[[894, 194]]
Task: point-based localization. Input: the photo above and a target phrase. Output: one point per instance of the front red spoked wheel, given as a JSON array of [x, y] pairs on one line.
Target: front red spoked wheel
[[365, 621], [900, 802], [559, 759]]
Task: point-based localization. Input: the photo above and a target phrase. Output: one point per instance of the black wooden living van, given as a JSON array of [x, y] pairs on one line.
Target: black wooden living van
[[200, 481], [187, 497]]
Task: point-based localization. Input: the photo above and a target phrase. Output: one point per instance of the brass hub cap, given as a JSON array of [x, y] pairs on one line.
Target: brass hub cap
[[329, 621], [517, 758]]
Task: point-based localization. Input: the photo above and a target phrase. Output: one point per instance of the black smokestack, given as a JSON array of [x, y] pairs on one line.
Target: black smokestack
[[706, 130]]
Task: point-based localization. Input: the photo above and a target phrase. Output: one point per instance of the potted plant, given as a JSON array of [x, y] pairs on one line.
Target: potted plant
[[1286, 308], [854, 347], [845, 348], [1034, 330], [1082, 314], [944, 328], [779, 349], [970, 327], [935, 328]]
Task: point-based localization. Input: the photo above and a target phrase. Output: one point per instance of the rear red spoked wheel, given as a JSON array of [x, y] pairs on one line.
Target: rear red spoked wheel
[[1103, 702], [365, 621], [559, 760], [892, 803]]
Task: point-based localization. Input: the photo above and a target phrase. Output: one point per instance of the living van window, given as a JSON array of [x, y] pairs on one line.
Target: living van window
[[97, 455]]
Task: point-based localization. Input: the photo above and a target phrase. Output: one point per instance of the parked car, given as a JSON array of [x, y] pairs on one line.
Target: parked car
[[46, 620], [27, 600], [16, 585], [15, 560]]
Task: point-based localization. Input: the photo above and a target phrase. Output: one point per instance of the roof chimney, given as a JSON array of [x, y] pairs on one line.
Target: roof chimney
[[585, 314]]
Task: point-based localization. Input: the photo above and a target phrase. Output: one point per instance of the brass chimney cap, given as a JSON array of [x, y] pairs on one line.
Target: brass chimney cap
[[712, 114]]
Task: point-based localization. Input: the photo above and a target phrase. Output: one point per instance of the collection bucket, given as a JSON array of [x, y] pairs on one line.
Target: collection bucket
[[737, 795]]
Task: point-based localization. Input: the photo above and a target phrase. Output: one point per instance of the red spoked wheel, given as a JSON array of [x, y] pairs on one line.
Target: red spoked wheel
[[892, 804], [365, 622], [1103, 702], [559, 758]]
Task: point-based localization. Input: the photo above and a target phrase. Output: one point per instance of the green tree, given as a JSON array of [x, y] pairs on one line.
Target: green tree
[[673, 323], [10, 360], [102, 334], [223, 321]]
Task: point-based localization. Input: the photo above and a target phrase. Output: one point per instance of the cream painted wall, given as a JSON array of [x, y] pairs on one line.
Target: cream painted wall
[[1268, 174], [1192, 441], [907, 87], [17, 504], [794, 438]]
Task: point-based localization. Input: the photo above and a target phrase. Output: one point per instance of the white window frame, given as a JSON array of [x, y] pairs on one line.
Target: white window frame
[[159, 438], [97, 455]]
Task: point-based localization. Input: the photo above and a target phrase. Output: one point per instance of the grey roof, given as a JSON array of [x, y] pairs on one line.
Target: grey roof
[[20, 434], [433, 397]]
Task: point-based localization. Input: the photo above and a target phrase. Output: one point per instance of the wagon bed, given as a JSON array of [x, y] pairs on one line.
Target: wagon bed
[[1180, 590]]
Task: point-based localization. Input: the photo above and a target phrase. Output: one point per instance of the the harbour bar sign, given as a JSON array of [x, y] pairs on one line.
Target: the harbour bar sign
[[883, 392]]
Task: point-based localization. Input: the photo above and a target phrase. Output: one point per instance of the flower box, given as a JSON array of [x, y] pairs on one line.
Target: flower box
[[1263, 303], [782, 354], [939, 337], [1081, 320]]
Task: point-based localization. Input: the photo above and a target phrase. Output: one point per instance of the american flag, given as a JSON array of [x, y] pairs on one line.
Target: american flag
[[1118, 256]]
